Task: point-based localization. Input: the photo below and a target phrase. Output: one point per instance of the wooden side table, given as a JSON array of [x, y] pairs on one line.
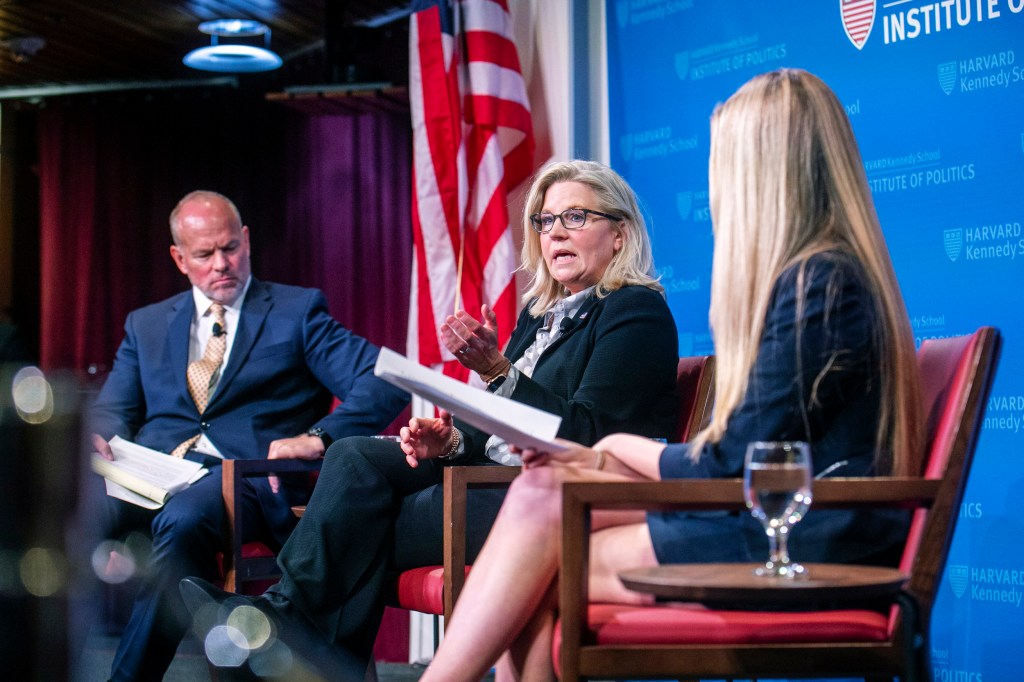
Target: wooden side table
[[737, 584]]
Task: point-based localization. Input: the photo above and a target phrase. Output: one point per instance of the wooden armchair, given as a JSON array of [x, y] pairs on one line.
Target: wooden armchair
[[691, 641], [251, 563], [434, 589]]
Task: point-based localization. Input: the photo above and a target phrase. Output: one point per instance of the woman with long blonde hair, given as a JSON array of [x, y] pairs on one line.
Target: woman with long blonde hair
[[813, 343]]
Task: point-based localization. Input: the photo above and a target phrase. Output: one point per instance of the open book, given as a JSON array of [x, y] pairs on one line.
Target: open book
[[144, 476], [514, 422]]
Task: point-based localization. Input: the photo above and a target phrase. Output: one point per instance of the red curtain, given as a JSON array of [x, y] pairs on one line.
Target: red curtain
[[348, 228]]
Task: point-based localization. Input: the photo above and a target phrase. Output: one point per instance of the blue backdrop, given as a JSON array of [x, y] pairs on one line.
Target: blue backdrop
[[935, 92]]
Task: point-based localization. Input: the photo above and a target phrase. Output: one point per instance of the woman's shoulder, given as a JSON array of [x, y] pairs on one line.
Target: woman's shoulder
[[824, 271], [828, 292], [636, 303], [636, 295]]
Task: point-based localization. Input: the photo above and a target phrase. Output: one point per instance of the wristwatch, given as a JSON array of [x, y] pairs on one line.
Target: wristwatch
[[495, 382], [322, 435]]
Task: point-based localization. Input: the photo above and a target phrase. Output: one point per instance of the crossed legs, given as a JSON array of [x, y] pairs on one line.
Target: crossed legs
[[517, 569]]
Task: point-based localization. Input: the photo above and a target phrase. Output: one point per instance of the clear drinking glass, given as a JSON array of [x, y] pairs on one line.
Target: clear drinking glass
[[777, 489]]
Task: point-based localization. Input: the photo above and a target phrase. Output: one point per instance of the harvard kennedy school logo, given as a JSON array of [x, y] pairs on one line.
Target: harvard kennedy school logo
[[957, 578], [953, 240], [858, 20], [947, 76]]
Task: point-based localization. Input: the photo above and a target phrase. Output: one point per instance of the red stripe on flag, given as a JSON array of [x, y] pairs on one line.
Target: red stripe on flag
[[461, 210], [486, 46]]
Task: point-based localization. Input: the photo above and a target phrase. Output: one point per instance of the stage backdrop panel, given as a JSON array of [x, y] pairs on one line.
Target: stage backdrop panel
[[935, 92]]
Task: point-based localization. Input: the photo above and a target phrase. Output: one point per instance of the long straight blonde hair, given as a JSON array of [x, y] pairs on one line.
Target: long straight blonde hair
[[786, 182]]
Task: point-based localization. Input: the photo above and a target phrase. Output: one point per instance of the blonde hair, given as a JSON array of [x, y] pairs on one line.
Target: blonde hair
[[786, 182], [202, 195], [632, 264]]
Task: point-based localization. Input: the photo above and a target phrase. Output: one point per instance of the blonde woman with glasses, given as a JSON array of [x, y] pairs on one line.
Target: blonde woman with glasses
[[813, 343]]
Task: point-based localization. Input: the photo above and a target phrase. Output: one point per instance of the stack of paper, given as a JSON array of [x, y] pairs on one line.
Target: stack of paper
[[514, 422], [144, 476]]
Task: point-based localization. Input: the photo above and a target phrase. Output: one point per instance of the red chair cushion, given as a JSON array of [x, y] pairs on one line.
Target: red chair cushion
[[692, 624], [422, 589], [250, 550], [695, 624]]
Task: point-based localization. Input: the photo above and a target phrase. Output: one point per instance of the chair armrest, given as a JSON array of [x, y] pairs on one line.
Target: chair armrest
[[457, 482], [232, 473], [579, 499], [727, 493]]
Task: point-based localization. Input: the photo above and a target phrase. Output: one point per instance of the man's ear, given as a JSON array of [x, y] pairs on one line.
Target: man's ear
[[179, 259]]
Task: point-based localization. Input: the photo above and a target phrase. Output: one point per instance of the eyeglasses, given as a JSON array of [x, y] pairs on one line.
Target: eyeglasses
[[572, 219]]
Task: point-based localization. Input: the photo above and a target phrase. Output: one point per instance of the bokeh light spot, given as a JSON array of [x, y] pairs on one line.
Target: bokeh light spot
[[253, 625], [43, 572], [33, 395], [222, 647], [113, 563]]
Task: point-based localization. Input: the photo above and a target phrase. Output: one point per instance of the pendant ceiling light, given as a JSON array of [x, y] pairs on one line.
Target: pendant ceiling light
[[233, 57]]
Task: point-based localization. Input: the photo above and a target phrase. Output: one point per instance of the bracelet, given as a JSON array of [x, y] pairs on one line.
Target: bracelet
[[599, 462], [453, 445], [490, 375]]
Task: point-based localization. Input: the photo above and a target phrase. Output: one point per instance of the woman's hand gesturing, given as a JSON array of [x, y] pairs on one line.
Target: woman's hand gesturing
[[426, 438]]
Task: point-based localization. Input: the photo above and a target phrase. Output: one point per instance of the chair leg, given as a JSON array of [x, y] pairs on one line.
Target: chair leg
[[913, 627]]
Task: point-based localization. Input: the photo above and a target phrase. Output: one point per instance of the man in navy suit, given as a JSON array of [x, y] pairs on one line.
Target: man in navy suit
[[279, 359]]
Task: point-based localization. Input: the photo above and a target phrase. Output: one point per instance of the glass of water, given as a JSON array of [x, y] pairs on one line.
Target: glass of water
[[777, 489]]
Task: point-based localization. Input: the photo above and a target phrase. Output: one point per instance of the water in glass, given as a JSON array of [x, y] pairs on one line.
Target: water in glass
[[777, 489]]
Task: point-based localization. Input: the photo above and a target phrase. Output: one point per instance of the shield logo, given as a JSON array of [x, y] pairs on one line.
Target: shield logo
[[622, 13], [684, 203], [626, 146], [953, 240], [858, 20], [958, 579], [683, 64], [947, 76]]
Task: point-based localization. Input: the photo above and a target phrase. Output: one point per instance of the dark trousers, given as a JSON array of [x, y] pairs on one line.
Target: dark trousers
[[370, 515], [186, 536]]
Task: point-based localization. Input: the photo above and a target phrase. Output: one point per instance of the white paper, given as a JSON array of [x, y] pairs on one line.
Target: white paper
[[514, 422], [150, 468], [119, 492]]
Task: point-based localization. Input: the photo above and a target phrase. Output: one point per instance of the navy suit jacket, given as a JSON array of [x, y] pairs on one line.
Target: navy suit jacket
[[289, 357], [816, 379], [613, 370]]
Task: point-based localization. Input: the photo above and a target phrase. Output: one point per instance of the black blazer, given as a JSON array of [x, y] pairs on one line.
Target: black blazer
[[816, 379], [613, 370]]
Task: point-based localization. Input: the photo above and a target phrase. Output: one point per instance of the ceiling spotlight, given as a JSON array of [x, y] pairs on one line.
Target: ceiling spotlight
[[233, 57]]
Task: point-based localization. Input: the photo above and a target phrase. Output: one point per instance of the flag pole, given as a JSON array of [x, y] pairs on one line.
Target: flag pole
[[458, 274]]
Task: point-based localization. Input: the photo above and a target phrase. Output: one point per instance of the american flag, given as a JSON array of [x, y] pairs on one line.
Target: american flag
[[472, 143]]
